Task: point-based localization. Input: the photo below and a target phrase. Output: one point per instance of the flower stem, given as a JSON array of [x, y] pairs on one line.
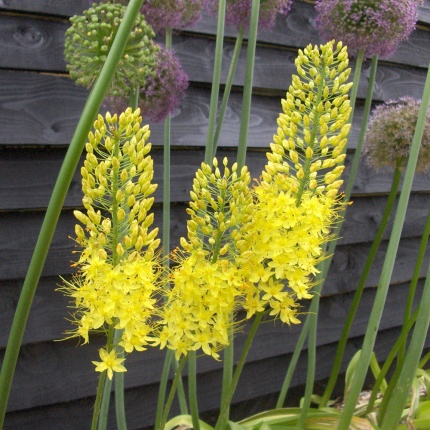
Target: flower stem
[[192, 389], [215, 83], [360, 288], [247, 90], [227, 89], [168, 404], [65, 177], [384, 282], [415, 277], [221, 423]]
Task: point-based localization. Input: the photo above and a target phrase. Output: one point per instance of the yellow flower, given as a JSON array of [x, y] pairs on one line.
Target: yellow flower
[[110, 362]]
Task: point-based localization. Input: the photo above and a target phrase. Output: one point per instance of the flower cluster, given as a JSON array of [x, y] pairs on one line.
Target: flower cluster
[[238, 12], [298, 198], [390, 133], [117, 282], [162, 92], [207, 284], [89, 40], [376, 26]]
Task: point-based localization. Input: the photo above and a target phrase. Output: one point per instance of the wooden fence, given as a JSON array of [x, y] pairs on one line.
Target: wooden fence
[[55, 382]]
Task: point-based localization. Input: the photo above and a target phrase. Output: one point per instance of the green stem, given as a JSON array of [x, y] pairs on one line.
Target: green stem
[[180, 390], [98, 405], [360, 288], [387, 269], [293, 363], [367, 107], [121, 419], [65, 177], [104, 408], [389, 360], [192, 390], [221, 423], [216, 78], [247, 90], [168, 404], [228, 363], [415, 277], [227, 89], [397, 401], [163, 387]]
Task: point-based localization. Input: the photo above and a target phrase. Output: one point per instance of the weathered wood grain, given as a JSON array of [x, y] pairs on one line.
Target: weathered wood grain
[[28, 175], [40, 109], [49, 7], [258, 377], [272, 339]]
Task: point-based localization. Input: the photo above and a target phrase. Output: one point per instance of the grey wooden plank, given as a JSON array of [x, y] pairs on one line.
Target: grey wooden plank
[[259, 379], [32, 43], [31, 389], [38, 109], [49, 7], [28, 175]]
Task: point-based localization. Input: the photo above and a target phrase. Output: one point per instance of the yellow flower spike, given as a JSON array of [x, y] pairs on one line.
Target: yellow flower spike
[[119, 265]]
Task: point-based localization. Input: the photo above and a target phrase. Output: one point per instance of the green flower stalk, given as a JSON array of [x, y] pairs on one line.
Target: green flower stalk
[[89, 40], [119, 268], [207, 284]]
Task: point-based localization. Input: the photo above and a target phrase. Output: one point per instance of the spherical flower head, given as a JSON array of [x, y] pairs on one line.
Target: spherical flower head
[[238, 12], [390, 134], [89, 40], [178, 14], [162, 92], [376, 26], [172, 13]]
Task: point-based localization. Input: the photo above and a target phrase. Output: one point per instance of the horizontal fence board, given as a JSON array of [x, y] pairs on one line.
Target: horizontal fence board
[[27, 43], [258, 378], [48, 7], [28, 175], [20, 231], [37, 109], [70, 365]]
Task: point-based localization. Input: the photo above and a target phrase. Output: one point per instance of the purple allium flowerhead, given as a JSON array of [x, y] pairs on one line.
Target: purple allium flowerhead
[[163, 91], [238, 12], [390, 133], [171, 13], [161, 14], [377, 26]]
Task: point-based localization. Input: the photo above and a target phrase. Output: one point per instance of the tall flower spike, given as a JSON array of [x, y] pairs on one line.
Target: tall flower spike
[[238, 12], [377, 26], [88, 42], [207, 286], [117, 281], [390, 133], [297, 200]]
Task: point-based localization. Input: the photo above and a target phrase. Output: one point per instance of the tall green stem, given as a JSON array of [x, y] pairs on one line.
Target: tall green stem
[[65, 177], [227, 89], [387, 269], [415, 277], [360, 288], [192, 390], [221, 423], [249, 76], [169, 401], [216, 78]]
